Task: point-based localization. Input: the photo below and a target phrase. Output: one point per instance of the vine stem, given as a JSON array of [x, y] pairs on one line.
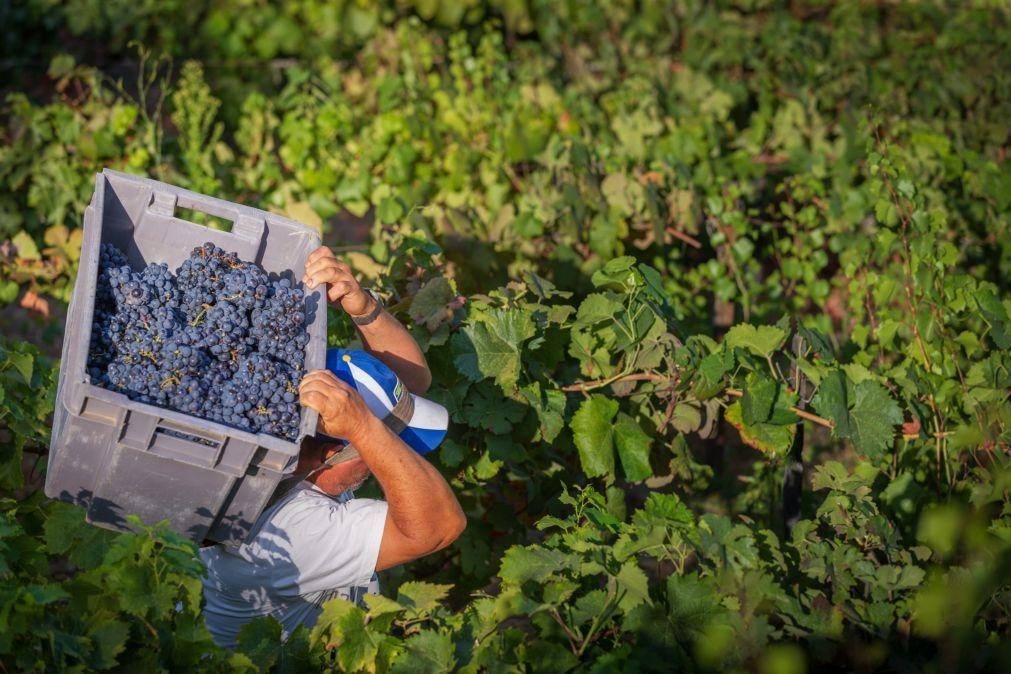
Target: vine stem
[[621, 376], [905, 214], [598, 620], [678, 234], [573, 639], [821, 421]]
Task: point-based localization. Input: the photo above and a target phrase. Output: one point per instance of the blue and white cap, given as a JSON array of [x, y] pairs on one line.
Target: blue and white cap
[[419, 422]]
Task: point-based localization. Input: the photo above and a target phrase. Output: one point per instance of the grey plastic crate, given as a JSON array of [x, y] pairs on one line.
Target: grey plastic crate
[[117, 456]]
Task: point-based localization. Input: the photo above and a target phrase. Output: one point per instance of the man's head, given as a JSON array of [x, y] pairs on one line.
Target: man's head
[[335, 479], [356, 382]]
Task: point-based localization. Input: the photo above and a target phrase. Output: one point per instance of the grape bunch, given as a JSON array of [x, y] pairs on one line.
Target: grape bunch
[[219, 339]]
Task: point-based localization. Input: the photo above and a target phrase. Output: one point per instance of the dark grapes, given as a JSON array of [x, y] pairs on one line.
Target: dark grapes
[[219, 339]]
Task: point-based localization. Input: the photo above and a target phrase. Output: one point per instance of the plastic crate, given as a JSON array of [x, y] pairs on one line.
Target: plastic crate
[[117, 456]]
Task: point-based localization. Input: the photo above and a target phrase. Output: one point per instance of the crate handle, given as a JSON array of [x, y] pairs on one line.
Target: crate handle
[[184, 445], [245, 225]]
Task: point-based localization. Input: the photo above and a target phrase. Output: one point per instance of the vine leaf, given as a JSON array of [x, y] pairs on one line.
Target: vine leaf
[[762, 340], [995, 314], [759, 397], [535, 563], [426, 652], [597, 307], [494, 346], [549, 407], [874, 417], [687, 417], [261, 640], [593, 432], [769, 438], [864, 412], [831, 401], [108, 640], [25, 245], [429, 305], [633, 448], [23, 363], [421, 598], [632, 581]]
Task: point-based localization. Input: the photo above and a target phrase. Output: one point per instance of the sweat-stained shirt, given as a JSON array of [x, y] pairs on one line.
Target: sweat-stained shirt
[[304, 550]]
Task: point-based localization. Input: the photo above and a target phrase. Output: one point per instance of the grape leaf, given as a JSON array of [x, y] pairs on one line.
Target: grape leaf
[[633, 448], [329, 618], [520, 564], [492, 413], [633, 583], [761, 341], [597, 307], [260, 639], [770, 438], [108, 639], [691, 606], [25, 244], [8, 291], [389, 210], [873, 418], [624, 195], [716, 364], [831, 402], [669, 507], [380, 605], [427, 652], [588, 606], [492, 346], [428, 306], [819, 342], [592, 431], [687, 417], [23, 363], [865, 413], [757, 401], [995, 314], [550, 409], [421, 598], [357, 650]]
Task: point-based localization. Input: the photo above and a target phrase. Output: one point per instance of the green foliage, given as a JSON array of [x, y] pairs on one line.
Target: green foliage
[[638, 242]]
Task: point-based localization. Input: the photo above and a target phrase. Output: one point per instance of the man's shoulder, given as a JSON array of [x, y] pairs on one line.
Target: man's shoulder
[[304, 500]]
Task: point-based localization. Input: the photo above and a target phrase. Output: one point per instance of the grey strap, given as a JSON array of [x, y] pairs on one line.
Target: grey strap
[[400, 416]]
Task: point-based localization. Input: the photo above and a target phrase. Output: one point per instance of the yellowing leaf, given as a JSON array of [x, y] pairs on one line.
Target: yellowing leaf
[[27, 250], [768, 438]]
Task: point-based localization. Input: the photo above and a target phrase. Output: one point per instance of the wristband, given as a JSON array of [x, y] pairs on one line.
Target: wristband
[[372, 315]]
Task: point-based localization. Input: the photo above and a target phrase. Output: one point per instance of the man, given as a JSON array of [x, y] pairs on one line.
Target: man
[[317, 541]]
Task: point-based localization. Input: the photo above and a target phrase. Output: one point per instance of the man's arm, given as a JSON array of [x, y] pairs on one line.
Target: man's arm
[[424, 515], [385, 338]]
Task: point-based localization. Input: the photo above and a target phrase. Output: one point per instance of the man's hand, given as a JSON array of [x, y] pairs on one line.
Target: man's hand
[[342, 412], [343, 288], [384, 337]]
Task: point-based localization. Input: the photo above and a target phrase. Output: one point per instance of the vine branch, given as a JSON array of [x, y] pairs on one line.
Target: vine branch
[[821, 421], [638, 376]]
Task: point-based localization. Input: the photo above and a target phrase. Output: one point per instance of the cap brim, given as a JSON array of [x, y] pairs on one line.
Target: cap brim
[[427, 427]]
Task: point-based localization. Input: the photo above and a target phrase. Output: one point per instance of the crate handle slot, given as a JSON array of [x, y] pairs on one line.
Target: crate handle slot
[[190, 437], [245, 225], [185, 445]]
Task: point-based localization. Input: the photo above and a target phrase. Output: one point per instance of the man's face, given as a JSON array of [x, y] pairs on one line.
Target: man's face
[[335, 479]]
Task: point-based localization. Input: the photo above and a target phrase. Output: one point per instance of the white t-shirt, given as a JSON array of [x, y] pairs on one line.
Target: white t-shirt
[[304, 550]]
